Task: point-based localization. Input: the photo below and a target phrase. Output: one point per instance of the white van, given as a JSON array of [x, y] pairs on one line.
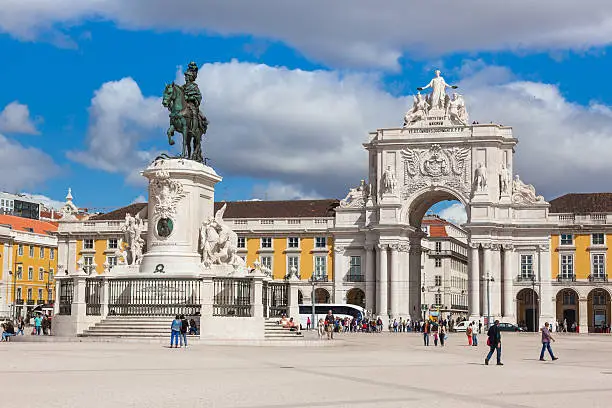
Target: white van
[[321, 309]]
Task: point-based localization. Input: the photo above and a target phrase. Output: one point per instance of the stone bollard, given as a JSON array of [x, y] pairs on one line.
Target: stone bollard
[[292, 303], [257, 295]]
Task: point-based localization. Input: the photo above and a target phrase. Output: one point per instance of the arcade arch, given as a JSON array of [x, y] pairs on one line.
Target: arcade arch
[[568, 309], [598, 307], [527, 309], [356, 297], [322, 295]]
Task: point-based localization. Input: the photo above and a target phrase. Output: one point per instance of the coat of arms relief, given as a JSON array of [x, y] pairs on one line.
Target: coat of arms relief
[[436, 166]]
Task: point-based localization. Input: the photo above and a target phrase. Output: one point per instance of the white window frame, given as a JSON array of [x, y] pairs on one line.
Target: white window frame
[[41, 252], [593, 239], [438, 246], [355, 269], [241, 243], [567, 268], [19, 294], [52, 253], [19, 272], [271, 258], [30, 273], [40, 294], [31, 251], [601, 271], [438, 262], [41, 274], [438, 299], [20, 250], [320, 242], [289, 265], [265, 239], [30, 294], [111, 261], [85, 241], [297, 244], [320, 270], [566, 244], [438, 280], [108, 243], [526, 268]]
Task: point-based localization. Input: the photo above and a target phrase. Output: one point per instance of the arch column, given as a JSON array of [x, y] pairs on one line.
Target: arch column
[[508, 309], [547, 305], [382, 282], [370, 277], [583, 315], [474, 283], [394, 281], [414, 279]]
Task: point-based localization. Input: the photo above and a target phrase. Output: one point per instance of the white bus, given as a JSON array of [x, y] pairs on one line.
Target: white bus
[[321, 309]]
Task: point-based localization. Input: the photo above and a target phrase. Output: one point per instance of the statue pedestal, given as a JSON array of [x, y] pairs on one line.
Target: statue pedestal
[[181, 197]]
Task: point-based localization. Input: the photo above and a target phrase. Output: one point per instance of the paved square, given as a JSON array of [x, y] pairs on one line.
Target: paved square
[[387, 370]]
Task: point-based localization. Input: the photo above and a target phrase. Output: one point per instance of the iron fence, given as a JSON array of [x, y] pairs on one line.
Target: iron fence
[[265, 299], [278, 298], [65, 298], [232, 297], [93, 297], [154, 297]]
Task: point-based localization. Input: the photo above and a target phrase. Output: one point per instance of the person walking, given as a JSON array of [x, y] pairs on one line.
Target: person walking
[[329, 325], [479, 327], [475, 333], [494, 343], [546, 338], [38, 325], [308, 323], [175, 331], [193, 327], [469, 332], [426, 329], [442, 335], [184, 329]]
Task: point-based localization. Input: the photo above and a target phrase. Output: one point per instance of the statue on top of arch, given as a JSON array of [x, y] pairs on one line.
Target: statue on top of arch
[[438, 108]]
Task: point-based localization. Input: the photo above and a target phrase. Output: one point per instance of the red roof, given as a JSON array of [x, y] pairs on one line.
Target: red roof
[[27, 224], [437, 226]]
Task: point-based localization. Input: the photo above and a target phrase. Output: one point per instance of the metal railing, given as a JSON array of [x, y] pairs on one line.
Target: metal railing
[[31, 302], [265, 299], [566, 278], [65, 297], [93, 297], [279, 298], [525, 278], [355, 278], [232, 297], [154, 297], [598, 278]]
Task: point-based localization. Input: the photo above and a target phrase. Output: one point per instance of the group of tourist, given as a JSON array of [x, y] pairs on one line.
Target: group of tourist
[[179, 328], [41, 325], [437, 329]]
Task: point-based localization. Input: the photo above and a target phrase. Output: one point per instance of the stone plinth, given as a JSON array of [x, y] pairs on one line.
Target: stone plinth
[[181, 197]]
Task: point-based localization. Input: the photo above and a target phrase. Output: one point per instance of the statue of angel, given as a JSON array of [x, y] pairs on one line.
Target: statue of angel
[[218, 243], [418, 112]]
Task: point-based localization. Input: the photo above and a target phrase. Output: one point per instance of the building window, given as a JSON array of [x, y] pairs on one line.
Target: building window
[[438, 280], [51, 253], [320, 267], [29, 293], [567, 266], [438, 246], [241, 242], [599, 266], [49, 295], [293, 242], [569, 297], [438, 298], [31, 251], [40, 294], [111, 261], [438, 262], [526, 266], [320, 242], [598, 239], [266, 262], [42, 253], [20, 250], [19, 272], [355, 266], [113, 243], [88, 260], [293, 262], [88, 244], [19, 293], [266, 242], [41, 274], [567, 239], [50, 274], [599, 298], [30, 273]]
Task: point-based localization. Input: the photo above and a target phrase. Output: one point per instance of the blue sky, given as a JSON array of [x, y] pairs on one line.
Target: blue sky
[[289, 99]]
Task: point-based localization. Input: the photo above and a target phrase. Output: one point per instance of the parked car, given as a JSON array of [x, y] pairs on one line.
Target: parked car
[[509, 327], [461, 326]]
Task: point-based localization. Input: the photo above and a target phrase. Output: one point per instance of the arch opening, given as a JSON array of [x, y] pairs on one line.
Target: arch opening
[[568, 309], [527, 309], [598, 305], [356, 297], [322, 295]]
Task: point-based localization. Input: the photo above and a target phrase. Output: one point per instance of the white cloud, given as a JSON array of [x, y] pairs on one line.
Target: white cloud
[[23, 167], [454, 213], [275, 190], [140, 199], [342, 32], [15, 118], [293, 126]]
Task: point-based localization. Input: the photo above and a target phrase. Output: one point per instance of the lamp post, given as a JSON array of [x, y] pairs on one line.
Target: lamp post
[[423, 305], [313, 281], [533, 305], [489, 279], [14, 274]]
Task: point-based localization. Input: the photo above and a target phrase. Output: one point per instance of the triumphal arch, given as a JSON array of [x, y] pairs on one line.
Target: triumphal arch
[[439, 155]]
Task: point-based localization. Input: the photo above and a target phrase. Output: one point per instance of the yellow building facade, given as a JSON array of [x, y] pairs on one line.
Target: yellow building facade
[[29, 264]]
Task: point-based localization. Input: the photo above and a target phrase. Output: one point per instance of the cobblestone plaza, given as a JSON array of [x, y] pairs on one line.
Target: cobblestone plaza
[[386, 370]]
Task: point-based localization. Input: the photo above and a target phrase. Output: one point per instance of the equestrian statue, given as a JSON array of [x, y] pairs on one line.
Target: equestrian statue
[[183, 103]]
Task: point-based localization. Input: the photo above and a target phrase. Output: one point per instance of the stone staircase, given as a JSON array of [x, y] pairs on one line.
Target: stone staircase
[[274, 331], [131, 327]]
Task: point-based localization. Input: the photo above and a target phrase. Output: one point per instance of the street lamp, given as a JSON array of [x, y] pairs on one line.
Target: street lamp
[[313, 280], [533, 305], [489, 279], [423, 305]]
